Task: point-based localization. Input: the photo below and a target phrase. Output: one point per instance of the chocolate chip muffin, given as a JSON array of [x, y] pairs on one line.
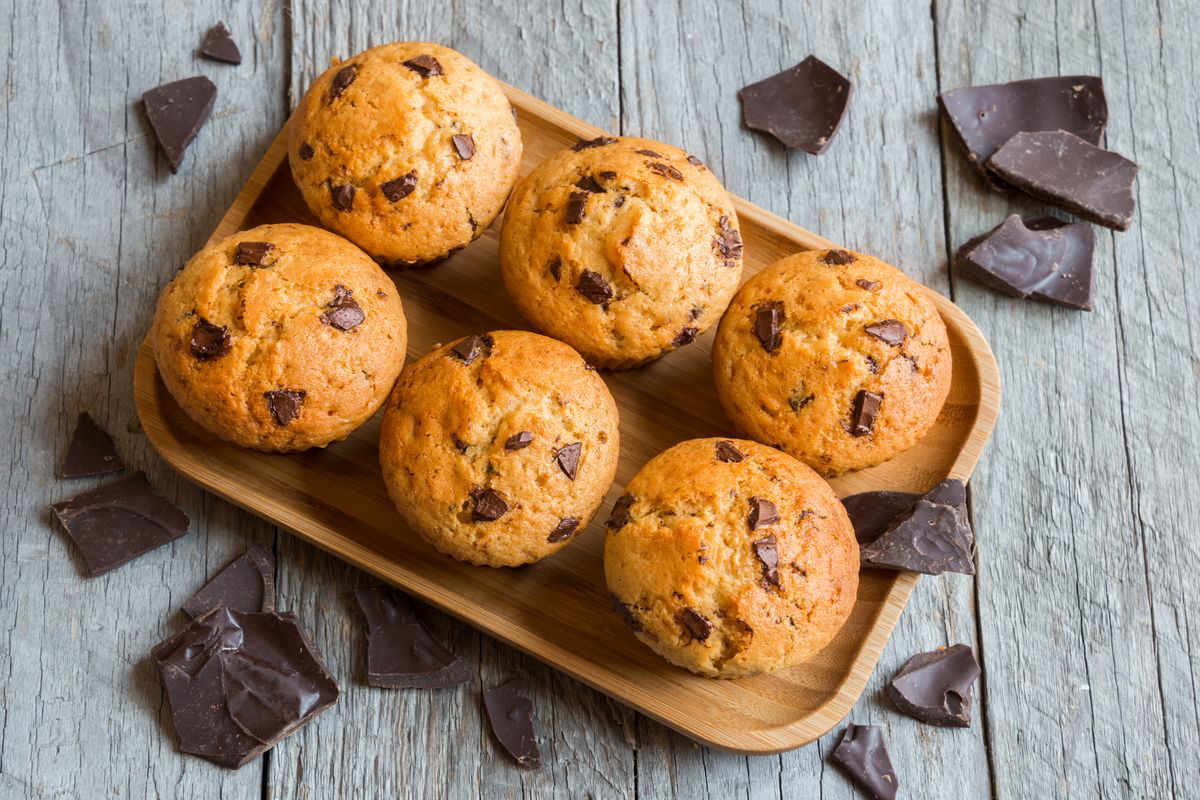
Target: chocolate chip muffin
[[836, 357], [498, 449], [623, 248], [408, 149], [280, 338], [730, 558]]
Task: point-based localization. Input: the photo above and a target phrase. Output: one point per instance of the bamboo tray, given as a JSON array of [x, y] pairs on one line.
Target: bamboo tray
[[558, 610]]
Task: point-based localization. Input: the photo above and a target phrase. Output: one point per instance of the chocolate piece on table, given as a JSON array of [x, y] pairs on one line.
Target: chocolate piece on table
[[871, 513], [176, 112], [117, 522], [1071, 173], [1044, 259], [510, 712], [91, 451], [937, 687], [933, 537], [401, 653], [801, 107], [219, 45], [238, 682], [245, 584], [985, 117], [864, 757]]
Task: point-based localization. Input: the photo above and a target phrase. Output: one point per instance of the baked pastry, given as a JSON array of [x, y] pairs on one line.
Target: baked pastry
[[498, 449], [408, 149], [623, 248], [730, 558], [280, 338], [836, 357]]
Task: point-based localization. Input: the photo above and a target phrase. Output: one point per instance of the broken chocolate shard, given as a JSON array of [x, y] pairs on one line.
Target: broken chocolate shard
[[510, 712], [937, 688], [342, 196], [245, 584], [694, 624], [401, 653], [218, 45], [768, 325], [593, 286], [619, 517], [91, 451], [863, 413], [871, 513], [176, 112], [341, 80], [399, 188], [1043, 259], [599, 141], [985, 117], [576, 206], [464, 145], [489, 506], [472, 347], [763, 513], [864, 757], [801, 107], [568, 458], [343, 311], [932, 537], [889, 331], [727, 451], [285, 404], [251, 254], [767, 551], [119, 521], [564, 530], [238, 682], [1071, 173], [424, 65], [518, 441]]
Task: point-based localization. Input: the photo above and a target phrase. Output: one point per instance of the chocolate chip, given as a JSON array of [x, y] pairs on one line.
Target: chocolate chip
[[401, 653], [685, 336], [588, 183], [251, 254], [695, 162], [489, 506], [342, 196], [567, 457], [863, 756], [870, 286], [176, 112], [400, 188], [210, 341], [285, 404], [344, 311], [555, 268], [889, 331], [862, 415], [342, 79], [799, 399], [626, 614], [728, 240], [219, 45], [872, 365], [424, 65], [471, 347], [728, 452], [694, 624], [592, 286], [619, 517], [767, 551], [763, 513], [618, 201], [666, 170], [458, 443], [90, 453], [306, 151], [464, 145], [563, 530], [519, 441], [576, 204], [801, 107], [838, 257], [510, 712], [937, 687], [599, 141], [650, 153], [768, 320], [245, 584]]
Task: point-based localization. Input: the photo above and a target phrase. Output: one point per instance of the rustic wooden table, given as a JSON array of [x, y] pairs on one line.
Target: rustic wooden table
[[1084, 503]]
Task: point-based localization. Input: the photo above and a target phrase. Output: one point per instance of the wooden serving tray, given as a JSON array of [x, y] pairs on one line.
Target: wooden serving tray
[[558, 610]]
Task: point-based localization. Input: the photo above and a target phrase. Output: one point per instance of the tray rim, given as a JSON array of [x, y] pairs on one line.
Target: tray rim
[[762, 741]]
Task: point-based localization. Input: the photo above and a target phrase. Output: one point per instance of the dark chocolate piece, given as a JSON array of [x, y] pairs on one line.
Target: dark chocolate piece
[[219, 45], [238, 682], [864, 757], [117, 522], [728, 452], [599, 141], [342, 79], [464, 145], [665, 170], [489, 505], [801, 107], [871, 513], [729, 241], [933, 537], [285, 404], [619, 516], [869, 285], [651, 153], [424, 65], [685, 337], [763, 513], [510, 712], [1071, 173], [888, 331], [91, 451], [937, 687], [864, 412], [564, 530], [568, 458], [768, 324], [576, 205], [401, 653], [472, 347], [245, 584], [555, 268], [399, 188], [985, 117], [799, 399], [176, 112], [342, 196], [251, 254], [306, 151], [696, 624], [767, 550], [588, 183], [458, 443], [593, 286], [519, 440], [1045, 259], [838, 257], [344, 312]]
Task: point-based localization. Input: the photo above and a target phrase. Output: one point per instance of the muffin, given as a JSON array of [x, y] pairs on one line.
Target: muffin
[[625, 249], [408, 149], [498, 449], [730, 558], [280, 338], [836, 357]]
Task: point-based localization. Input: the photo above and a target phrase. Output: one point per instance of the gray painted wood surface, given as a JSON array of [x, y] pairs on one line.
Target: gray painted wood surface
[[1083, 609]]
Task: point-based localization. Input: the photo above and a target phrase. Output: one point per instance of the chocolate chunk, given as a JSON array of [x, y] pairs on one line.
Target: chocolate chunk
[[117, 522], [219, 45], [767, 551], [588, 183], [838, 257], [458, 443], [694, 624], [1071, 173], [252, 254], [799, 399], [489, 506], [306, 151], [401, 653], [870, 286], [472, 347], [685, 337], [937, 687], [763, 513], [801, 107], [568, 458], [285, 404], [519, 441], [342, 196], [1044, 259], [344, 311], [728, 241], [872, 365], [871, 513], [768, 323], [464, 145], [238, 682], [933, 536], [90, 453], [619, 517], [618, 201], [342, 79], [510, 712], [576, 205], [176, 112], [985, 117], [864, 412], [424, 65], [399, 188], [727, 451], [695, 162], [888, 331], [599, 141], [555, 268], [666, 170], [863, 756], [245, 584], [626, 614], [565, 528], [651, 153], [593, 286]]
